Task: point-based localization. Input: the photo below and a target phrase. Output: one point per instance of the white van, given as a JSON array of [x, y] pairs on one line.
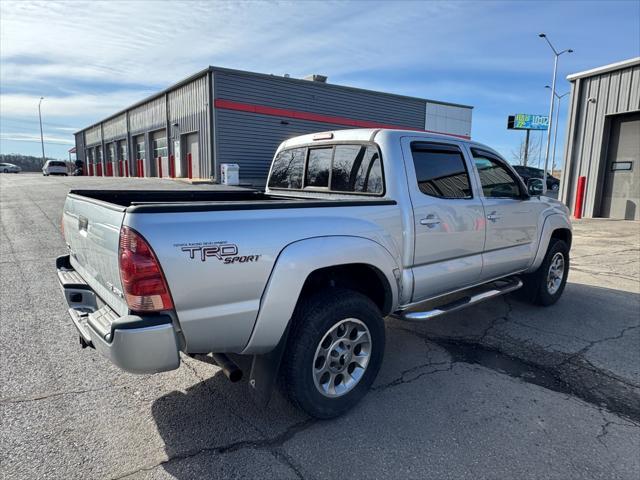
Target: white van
[[54, 167]]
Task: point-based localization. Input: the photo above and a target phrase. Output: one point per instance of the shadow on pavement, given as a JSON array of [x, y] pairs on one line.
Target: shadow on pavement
[[216, 417]]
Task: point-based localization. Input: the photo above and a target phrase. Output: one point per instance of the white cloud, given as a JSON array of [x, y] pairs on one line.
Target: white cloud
[[27, 137], [72, 106]]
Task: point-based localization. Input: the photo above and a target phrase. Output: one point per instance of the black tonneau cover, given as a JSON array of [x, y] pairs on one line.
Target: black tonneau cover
[[166, 201]]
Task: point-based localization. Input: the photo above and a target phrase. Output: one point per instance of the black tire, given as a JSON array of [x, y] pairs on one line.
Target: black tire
[[555, 187], [314, 317], [536, 289], [5, 171]]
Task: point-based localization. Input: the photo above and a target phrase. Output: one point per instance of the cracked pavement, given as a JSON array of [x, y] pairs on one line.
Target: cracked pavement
[[499, 390]]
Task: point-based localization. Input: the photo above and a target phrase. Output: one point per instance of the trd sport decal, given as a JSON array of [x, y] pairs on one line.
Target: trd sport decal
[[222, 251]]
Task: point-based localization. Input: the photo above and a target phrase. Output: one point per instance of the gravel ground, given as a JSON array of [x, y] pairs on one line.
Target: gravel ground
[[500, 390]]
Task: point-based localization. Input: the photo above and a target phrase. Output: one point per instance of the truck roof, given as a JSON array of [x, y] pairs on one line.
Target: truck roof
[[370, 134]]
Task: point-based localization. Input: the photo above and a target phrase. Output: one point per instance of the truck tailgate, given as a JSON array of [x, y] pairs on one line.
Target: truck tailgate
[[92, 231]]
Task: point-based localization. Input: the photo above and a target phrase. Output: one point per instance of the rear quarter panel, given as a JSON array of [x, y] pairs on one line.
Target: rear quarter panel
[[217, 301]]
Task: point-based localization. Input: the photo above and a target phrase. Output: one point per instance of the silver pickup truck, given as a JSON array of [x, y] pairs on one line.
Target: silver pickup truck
[[353, 226]]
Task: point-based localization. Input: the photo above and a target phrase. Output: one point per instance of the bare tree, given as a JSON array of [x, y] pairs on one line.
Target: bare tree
[[518, 153]]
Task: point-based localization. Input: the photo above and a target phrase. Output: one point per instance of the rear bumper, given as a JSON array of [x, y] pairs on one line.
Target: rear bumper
[[135, 343]]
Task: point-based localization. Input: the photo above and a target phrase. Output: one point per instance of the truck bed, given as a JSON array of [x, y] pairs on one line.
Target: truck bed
[[159, 201]]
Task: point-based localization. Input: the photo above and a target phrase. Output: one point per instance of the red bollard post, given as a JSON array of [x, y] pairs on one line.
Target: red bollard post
[[172, 166], [577, 209], [91, 169], [109, 169], [189, 166], [126, 168], [159, 167], [99, 169]]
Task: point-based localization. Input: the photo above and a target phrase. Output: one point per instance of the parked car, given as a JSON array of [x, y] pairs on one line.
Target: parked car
[[526, 173], [54, 167], [354, 226], [9, 168]]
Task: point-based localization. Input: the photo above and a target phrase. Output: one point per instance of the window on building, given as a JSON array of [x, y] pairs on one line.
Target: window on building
[[160, 145], [122, 150], [287, 169], [318, 167], [111, 152], [441, 171], [140, 148], [356, 168], [98, 155], [89, 155], [496, 179]]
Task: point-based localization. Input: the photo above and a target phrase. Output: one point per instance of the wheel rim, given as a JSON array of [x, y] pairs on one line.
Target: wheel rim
[[341, 358], [555, 273]]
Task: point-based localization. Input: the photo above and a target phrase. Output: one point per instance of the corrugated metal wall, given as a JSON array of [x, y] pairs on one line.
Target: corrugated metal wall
[[93, 136], [115, 128], [189, 113], [327, 99], [149, 116], [250, 139], [80, 146], [593, 100]]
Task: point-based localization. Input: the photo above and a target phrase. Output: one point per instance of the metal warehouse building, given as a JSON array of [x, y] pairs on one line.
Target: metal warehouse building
[[220, 116], [602, 153]]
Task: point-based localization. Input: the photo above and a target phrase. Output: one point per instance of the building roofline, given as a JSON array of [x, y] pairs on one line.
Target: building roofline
[[333, 85], [162, 92], [631, 62], [259, 75]]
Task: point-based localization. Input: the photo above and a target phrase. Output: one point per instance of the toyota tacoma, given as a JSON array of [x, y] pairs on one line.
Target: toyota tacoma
[[352, 227]]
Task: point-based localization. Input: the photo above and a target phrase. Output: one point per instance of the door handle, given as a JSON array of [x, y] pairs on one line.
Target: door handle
[[492, 216], [430, 221]]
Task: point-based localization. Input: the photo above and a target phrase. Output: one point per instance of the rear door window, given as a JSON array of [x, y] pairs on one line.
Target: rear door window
[[441, 171]]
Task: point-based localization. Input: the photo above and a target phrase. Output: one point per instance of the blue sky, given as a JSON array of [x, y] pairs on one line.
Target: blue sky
[[89, 59]]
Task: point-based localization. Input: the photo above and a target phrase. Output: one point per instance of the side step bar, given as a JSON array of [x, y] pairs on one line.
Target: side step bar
[[494, 291]]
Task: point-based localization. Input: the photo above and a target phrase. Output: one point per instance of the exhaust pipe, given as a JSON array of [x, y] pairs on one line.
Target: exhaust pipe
[[228, 366]]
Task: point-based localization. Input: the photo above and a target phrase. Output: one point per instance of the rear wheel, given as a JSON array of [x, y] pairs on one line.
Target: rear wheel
[[334, 352], [545, 285], [5, 171]]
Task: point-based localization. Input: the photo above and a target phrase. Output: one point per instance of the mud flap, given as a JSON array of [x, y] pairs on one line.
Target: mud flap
[[264, 372]]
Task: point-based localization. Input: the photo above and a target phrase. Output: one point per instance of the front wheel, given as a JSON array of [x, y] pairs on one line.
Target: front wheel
[[334, 352], [545, 285], [5, 171], [555, 187]]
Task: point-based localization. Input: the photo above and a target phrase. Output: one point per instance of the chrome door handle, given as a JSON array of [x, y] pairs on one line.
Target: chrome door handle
[[493, 217], [430, 221]]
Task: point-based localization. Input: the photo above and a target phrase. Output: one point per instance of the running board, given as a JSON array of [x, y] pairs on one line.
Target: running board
[[494, 291]]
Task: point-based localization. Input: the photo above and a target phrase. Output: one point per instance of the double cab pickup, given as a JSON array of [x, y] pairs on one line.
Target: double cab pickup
[[352, 227]]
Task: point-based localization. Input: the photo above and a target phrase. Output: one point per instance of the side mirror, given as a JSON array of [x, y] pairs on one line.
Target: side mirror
[[535, 187]]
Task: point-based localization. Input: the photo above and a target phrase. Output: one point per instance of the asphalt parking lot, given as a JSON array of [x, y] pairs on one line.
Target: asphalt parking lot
[[500, 390]]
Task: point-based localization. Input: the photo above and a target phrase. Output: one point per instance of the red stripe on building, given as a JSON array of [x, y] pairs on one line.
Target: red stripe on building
[[315, 117]]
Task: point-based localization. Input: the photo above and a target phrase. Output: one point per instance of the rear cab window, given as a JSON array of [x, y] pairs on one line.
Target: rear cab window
[[340, 168]]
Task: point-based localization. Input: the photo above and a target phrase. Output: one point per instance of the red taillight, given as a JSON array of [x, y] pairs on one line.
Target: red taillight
[[145, 288]]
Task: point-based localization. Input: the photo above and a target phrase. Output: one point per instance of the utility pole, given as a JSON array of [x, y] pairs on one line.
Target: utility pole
[[526, 147], [44, 160], [555, 130], [552, 102]]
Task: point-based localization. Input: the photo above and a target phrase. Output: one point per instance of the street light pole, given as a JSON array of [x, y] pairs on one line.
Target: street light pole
[[41, 136], [555, 129], [551, 105]]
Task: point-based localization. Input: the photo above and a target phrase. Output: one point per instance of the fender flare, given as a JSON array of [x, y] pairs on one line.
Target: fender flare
[[551, 223], [294, 264]]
